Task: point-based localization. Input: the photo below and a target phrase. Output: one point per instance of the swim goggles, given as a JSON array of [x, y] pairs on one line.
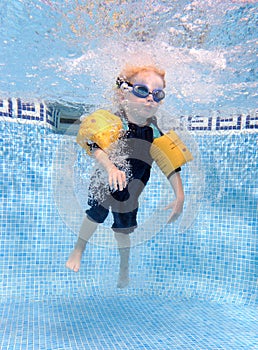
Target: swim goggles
[[141, 90]]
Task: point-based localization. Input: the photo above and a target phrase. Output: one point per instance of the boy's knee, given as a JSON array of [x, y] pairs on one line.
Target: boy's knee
[[123, 240]]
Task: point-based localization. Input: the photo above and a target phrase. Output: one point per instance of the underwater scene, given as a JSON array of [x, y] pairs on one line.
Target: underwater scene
[[193, 282]]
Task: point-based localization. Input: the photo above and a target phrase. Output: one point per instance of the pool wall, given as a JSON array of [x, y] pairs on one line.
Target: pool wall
[[215, 259]]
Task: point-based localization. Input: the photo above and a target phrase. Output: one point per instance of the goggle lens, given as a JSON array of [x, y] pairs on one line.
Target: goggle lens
[[141, 90], [158, 95]]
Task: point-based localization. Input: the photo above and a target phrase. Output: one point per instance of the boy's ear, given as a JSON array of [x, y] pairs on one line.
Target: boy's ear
[[120, 94]]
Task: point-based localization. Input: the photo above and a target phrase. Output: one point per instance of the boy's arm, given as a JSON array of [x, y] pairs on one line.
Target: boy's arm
[[177, 205], [116, 177]]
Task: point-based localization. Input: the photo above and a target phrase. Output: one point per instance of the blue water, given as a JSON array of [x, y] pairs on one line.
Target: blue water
[[192, 288], [71, 51]]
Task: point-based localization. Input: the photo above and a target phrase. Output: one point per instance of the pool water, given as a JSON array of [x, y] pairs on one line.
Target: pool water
[[193, 284], [195, 289]]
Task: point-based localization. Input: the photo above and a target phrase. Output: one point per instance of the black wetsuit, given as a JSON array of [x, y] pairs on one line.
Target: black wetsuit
[[124, 204]]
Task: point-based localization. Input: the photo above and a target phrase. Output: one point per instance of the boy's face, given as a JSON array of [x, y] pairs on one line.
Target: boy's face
[[140, 109]]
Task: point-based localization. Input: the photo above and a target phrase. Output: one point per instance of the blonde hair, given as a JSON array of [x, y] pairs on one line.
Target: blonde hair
[[130, 72]]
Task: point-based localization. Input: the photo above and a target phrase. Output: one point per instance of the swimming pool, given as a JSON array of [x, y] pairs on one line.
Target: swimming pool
[[193, 288]]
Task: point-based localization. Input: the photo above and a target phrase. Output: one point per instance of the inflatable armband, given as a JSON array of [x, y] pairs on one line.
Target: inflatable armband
[[100, 127], [169, 152]]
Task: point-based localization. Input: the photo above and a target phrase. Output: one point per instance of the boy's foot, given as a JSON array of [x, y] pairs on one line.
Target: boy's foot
[[74, 261], [123, 278]]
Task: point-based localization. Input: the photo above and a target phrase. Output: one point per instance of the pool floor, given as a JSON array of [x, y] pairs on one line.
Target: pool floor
[[126, 322]]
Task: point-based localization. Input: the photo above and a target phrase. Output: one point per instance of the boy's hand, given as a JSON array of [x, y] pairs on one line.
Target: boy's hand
[[116, 178], [177, 208]]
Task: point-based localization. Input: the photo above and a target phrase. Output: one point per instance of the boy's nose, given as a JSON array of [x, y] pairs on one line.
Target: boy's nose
[[149, 98]]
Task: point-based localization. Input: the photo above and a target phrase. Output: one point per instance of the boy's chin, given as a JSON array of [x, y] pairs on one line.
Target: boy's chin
[[144, 111]]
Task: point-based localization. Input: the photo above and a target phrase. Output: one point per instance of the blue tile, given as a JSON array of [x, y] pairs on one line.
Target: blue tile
[[189, 290]]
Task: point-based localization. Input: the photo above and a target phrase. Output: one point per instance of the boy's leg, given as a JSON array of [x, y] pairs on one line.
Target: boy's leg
[[123, 243], [87, 229]]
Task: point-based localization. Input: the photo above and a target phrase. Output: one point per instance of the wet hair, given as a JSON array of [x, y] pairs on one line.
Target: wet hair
[[130, 72]]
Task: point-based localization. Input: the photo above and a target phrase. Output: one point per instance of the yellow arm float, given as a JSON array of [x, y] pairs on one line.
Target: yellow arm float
[[100, 127], [169, 152]]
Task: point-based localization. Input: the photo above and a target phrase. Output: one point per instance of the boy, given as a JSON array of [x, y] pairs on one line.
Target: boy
[[140, 92]]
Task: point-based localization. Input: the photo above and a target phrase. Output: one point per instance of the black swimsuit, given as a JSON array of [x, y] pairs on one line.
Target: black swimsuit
[[124, 204]]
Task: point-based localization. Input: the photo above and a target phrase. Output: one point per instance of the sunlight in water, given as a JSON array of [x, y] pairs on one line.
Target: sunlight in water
[[71, 51]]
